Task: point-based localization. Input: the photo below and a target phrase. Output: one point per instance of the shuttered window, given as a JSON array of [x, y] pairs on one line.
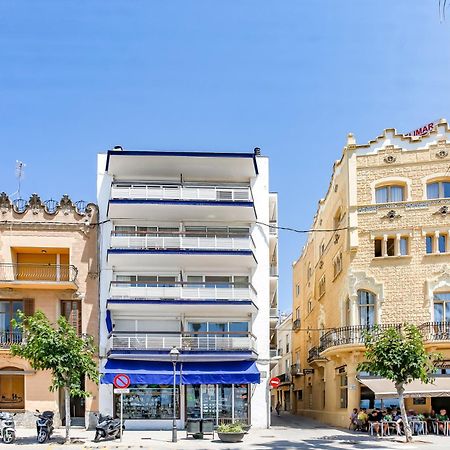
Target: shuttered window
[[71, 310]]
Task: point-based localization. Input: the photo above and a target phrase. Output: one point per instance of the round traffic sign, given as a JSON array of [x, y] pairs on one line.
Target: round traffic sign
[[121, 381], [274, 382]]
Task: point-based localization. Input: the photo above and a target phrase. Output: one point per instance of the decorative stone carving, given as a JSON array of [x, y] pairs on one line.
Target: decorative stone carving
[[442, 154], [5, 204], [65, 204], [35, 203], [320, 264], [392, 215], [389, 159], [443, 211], [336, 238]]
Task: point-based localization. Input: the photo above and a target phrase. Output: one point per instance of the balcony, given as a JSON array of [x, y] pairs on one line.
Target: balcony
[[190, 201], [220, 345], [350, 336], [296, 325], [231, 296], [38, 276], [435, 331], [175, 248], [296, 371], [7, 338], [314, 355]]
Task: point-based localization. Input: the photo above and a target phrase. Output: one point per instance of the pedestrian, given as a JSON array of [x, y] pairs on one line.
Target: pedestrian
[[277, 408]]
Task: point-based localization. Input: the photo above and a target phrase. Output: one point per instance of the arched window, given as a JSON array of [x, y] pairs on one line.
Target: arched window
[[366, 303], [438, 189], [390, 193]]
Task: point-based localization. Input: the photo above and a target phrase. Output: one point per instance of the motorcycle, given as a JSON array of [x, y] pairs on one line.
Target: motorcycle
[[7, 427], [44, 425], [107, 428]]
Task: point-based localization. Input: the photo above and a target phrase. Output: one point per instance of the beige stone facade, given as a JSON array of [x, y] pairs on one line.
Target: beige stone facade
[[48, 262], [387, 262]]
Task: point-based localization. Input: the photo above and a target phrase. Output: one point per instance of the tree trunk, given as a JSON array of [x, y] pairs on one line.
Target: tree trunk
[[67, 406], [400, 390]]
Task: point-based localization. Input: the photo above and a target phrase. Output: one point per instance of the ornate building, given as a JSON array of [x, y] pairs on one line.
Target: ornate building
[[48, 262], [387, 262]]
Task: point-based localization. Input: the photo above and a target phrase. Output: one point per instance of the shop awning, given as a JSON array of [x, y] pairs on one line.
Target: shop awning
[[155, 372], [384, 388]]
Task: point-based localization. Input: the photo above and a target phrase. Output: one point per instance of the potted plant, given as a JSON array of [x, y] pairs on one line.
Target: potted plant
[[231, 432]]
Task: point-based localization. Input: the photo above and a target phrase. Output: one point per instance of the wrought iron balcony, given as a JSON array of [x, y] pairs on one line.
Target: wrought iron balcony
[[182, 241], [296, 325], [186, 192], [194, 341], [352, 335], [23, 273], [314, 354], [435, 331], [7, 338], [182, 290]]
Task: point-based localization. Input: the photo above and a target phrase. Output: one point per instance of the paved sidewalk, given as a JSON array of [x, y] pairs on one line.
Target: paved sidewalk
[[287, 432]]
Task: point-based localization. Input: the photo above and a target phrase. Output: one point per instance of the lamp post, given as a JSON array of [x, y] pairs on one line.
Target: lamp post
[[174, 355]]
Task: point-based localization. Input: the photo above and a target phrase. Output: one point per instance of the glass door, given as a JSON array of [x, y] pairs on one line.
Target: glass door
[[208, 401]]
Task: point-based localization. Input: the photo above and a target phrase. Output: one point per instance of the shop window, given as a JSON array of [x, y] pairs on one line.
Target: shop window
[[389, 194], [343, 391], [12, 388]]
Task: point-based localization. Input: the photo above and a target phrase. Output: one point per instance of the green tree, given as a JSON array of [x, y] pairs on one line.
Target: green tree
[[59, 349], [398, 354]]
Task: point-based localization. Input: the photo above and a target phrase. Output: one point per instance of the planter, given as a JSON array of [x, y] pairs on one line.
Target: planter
[[231, 437]]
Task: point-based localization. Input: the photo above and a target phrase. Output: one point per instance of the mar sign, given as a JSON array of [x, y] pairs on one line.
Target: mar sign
[[427, 128]]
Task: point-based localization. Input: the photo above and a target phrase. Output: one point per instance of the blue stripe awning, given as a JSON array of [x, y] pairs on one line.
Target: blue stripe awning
[[156, 372]]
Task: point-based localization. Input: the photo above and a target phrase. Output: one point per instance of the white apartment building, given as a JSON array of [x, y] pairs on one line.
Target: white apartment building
[[187, 260]]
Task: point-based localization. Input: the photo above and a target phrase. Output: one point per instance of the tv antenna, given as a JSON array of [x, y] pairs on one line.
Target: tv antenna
[[20, 173]]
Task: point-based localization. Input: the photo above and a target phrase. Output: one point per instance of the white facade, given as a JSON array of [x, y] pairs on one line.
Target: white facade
[[188, 261]]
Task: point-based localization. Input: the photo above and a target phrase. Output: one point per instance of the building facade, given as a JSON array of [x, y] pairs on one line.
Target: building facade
[[282, 370], [48, 262], [385, 263], [186, 254]]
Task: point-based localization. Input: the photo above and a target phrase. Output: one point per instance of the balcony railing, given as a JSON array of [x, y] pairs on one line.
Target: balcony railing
[[296, 324], [407, 205], [181, 241], [313, 354], [160, 192], [435, 331], [7, 338], [182, 290], [206, 341], [349, 335], [10, 272], [296, 370]]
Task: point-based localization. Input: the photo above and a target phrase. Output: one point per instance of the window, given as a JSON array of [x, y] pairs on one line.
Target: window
[[347, 313], [337, 218], [8, 312], [337, 264], [388, 194], [366, 302], [438, 189], [287, 343], [297, 289], [300, 395], [322, 248], [442, 243], [429, 243], [391, 246], [343, 388], [310, 305], [442, 307], [297, 313], [71, 310], [309, 272], [280, 348], [322, 286], [436, 243]]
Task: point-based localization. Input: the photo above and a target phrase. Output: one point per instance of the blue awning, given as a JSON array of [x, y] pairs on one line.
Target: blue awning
[[109, 324], [154, 372]]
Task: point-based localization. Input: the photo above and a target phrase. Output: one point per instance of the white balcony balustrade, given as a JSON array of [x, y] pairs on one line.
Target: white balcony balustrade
[[181, 241], [200, 341], [167, 192], [182, 290]]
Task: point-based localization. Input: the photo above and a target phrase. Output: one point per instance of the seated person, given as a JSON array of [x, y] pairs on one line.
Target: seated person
[[353, 420], [375, 419], [441, 418], [431, 420], [362, 419]]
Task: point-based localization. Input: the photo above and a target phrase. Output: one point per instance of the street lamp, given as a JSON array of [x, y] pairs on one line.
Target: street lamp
[[174, 355]]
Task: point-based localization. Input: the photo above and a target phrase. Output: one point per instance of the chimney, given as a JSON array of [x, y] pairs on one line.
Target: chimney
[[257, 151]]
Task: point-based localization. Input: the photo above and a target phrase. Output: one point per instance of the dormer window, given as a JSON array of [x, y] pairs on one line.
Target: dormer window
[[389, 194], [438, 189]]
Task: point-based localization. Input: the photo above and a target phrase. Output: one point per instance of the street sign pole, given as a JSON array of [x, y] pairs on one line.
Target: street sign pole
[[121, 415], [121, 383]]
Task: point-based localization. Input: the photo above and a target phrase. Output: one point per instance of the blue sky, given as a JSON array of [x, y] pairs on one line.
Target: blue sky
[[292, 77]]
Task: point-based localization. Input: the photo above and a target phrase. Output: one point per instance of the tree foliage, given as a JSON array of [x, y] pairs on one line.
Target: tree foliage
[[59, 349], [398, 354]]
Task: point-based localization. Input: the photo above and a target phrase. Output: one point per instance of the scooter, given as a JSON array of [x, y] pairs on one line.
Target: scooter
[[107, 428], [7, 427], [44, 425]]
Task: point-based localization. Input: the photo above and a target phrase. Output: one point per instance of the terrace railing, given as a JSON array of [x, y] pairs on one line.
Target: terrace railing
[[10, 272]]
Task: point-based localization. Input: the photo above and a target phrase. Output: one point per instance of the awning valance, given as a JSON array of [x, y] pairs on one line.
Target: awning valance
[[156, 372], [384, 388]]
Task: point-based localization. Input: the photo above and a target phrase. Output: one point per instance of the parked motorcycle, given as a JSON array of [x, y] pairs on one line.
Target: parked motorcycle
[[44, 425], [7, 427], [107, 428]]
